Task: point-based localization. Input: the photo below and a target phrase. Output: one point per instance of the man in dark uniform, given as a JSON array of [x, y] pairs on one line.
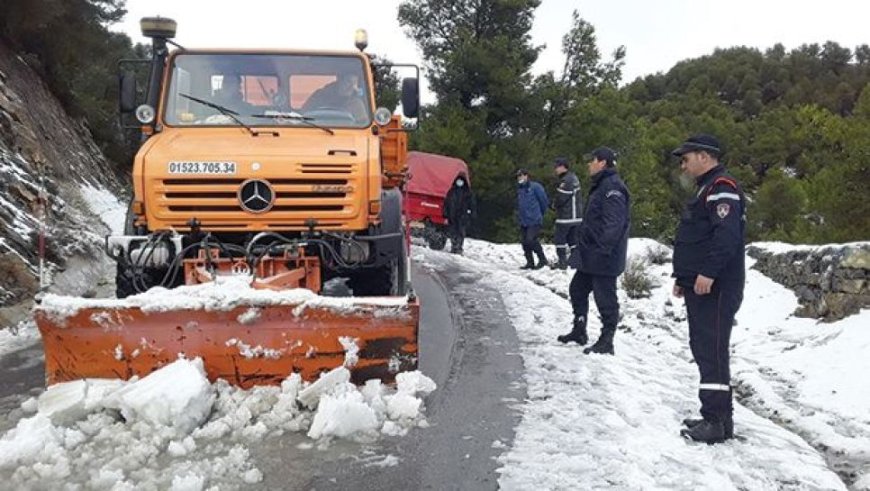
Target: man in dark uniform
[[532, 203], [568, 205], [600, 253], [459, 208], [709, 272]]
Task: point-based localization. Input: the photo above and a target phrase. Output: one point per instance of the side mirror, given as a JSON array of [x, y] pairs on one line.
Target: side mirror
[[410, 97], [127, 93]]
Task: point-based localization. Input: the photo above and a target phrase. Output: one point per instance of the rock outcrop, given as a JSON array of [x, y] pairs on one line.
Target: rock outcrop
[[42, 152]]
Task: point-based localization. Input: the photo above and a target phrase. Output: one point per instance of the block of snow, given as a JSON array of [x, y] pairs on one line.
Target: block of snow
[[402, 405], [64, 403], [342, 415], [178, 396], [33, 439], [414, 382], [188, 482], [310, 395]]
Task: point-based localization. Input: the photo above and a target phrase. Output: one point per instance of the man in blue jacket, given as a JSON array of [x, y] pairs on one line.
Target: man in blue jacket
[[532, 203], [600, 253], [709, 273]]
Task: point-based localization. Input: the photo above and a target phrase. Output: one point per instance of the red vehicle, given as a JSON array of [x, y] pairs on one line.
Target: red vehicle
[[430, 177]]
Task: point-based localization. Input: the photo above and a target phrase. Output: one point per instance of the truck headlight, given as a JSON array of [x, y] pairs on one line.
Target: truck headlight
[[145, 114]]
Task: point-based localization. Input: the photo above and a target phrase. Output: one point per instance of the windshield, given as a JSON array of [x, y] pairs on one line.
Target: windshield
[[268, 90]]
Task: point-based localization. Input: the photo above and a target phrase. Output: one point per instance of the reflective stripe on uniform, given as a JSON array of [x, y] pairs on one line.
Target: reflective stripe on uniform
[[569, 220], [713, 197], [562, 246], [722, 387], [563, 191]]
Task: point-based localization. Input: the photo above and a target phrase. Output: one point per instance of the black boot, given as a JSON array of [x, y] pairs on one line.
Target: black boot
[[604, 345], [562, 263], [706, 431], [542, 261], [577, 334], [727, 425], [530, 261]]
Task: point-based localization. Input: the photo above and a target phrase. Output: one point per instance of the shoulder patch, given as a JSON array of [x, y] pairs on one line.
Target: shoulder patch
[[722, 209], [724, 180], [613, 192]]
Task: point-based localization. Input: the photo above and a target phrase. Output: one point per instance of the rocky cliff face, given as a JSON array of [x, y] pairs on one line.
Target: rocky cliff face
[[830, 282], [42, 150]]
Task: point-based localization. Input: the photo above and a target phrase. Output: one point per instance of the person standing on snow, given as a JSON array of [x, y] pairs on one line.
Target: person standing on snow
[[709, 268], [600, 253], [532, 203], [459, 209], [568, 205]]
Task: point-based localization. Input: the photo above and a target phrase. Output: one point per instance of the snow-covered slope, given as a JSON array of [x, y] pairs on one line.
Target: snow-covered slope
[[44, 152], [593, 422]]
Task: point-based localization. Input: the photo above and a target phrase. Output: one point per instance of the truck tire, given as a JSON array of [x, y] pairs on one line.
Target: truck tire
[[388, 279], [435, 238]]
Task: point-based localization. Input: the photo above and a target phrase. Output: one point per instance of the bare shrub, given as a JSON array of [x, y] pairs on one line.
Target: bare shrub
[[658, 254], [635, 280]]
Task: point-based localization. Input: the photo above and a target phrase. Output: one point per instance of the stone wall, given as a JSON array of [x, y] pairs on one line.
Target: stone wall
[[831, 282]]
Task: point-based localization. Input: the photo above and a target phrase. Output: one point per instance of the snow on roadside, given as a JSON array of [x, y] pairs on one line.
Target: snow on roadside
[[105, 205], [174, 430], [21, 336], [597, 421]]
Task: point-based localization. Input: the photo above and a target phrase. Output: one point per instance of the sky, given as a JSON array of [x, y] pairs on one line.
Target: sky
[[656, 34]]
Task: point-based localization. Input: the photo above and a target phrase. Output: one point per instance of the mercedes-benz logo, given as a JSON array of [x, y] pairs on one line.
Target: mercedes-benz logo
[[256, 196]]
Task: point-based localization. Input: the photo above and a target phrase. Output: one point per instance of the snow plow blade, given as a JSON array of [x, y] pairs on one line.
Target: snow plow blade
[[248, 344]]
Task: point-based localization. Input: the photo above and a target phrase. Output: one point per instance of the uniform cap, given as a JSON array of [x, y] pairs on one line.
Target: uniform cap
[[606, 154], [699, 143]]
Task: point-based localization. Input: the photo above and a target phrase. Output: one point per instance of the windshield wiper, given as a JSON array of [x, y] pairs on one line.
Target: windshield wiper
[[223, 110], [295, 117]]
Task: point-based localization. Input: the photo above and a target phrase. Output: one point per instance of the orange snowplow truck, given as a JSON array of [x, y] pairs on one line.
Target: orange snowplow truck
[[273, 165]]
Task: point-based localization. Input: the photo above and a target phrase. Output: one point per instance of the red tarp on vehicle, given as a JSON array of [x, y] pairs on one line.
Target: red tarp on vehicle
[[433, 174]]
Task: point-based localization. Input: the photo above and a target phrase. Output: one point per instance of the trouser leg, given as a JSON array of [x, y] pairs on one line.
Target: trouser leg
[[581, 285], [534, 232], [560, 238], [527, 245], [604, 291], [459, 237], [711, 317]]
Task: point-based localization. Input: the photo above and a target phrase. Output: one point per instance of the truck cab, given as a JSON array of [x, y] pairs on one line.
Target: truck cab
[[256, 148]]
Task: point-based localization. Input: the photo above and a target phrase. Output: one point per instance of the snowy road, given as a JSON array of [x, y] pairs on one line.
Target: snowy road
[[468, 347], [516, 410]]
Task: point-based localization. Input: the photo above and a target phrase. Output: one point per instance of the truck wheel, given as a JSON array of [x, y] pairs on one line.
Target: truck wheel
[[389, 279], [436, 239]]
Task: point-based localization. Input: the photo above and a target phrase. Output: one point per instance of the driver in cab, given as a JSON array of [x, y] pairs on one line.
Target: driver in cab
[[230, 96], [344, 94]]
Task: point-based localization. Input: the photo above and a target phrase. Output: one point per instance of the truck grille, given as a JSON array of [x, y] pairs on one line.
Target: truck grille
[[322, 191]]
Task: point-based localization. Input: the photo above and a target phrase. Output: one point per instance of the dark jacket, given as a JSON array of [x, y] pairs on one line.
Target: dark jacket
[[568, 200], [459, 204], [603, 241], [712, 231], [532, 203]]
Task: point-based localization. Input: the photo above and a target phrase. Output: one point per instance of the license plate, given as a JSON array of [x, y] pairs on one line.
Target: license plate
[[201, 168]]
